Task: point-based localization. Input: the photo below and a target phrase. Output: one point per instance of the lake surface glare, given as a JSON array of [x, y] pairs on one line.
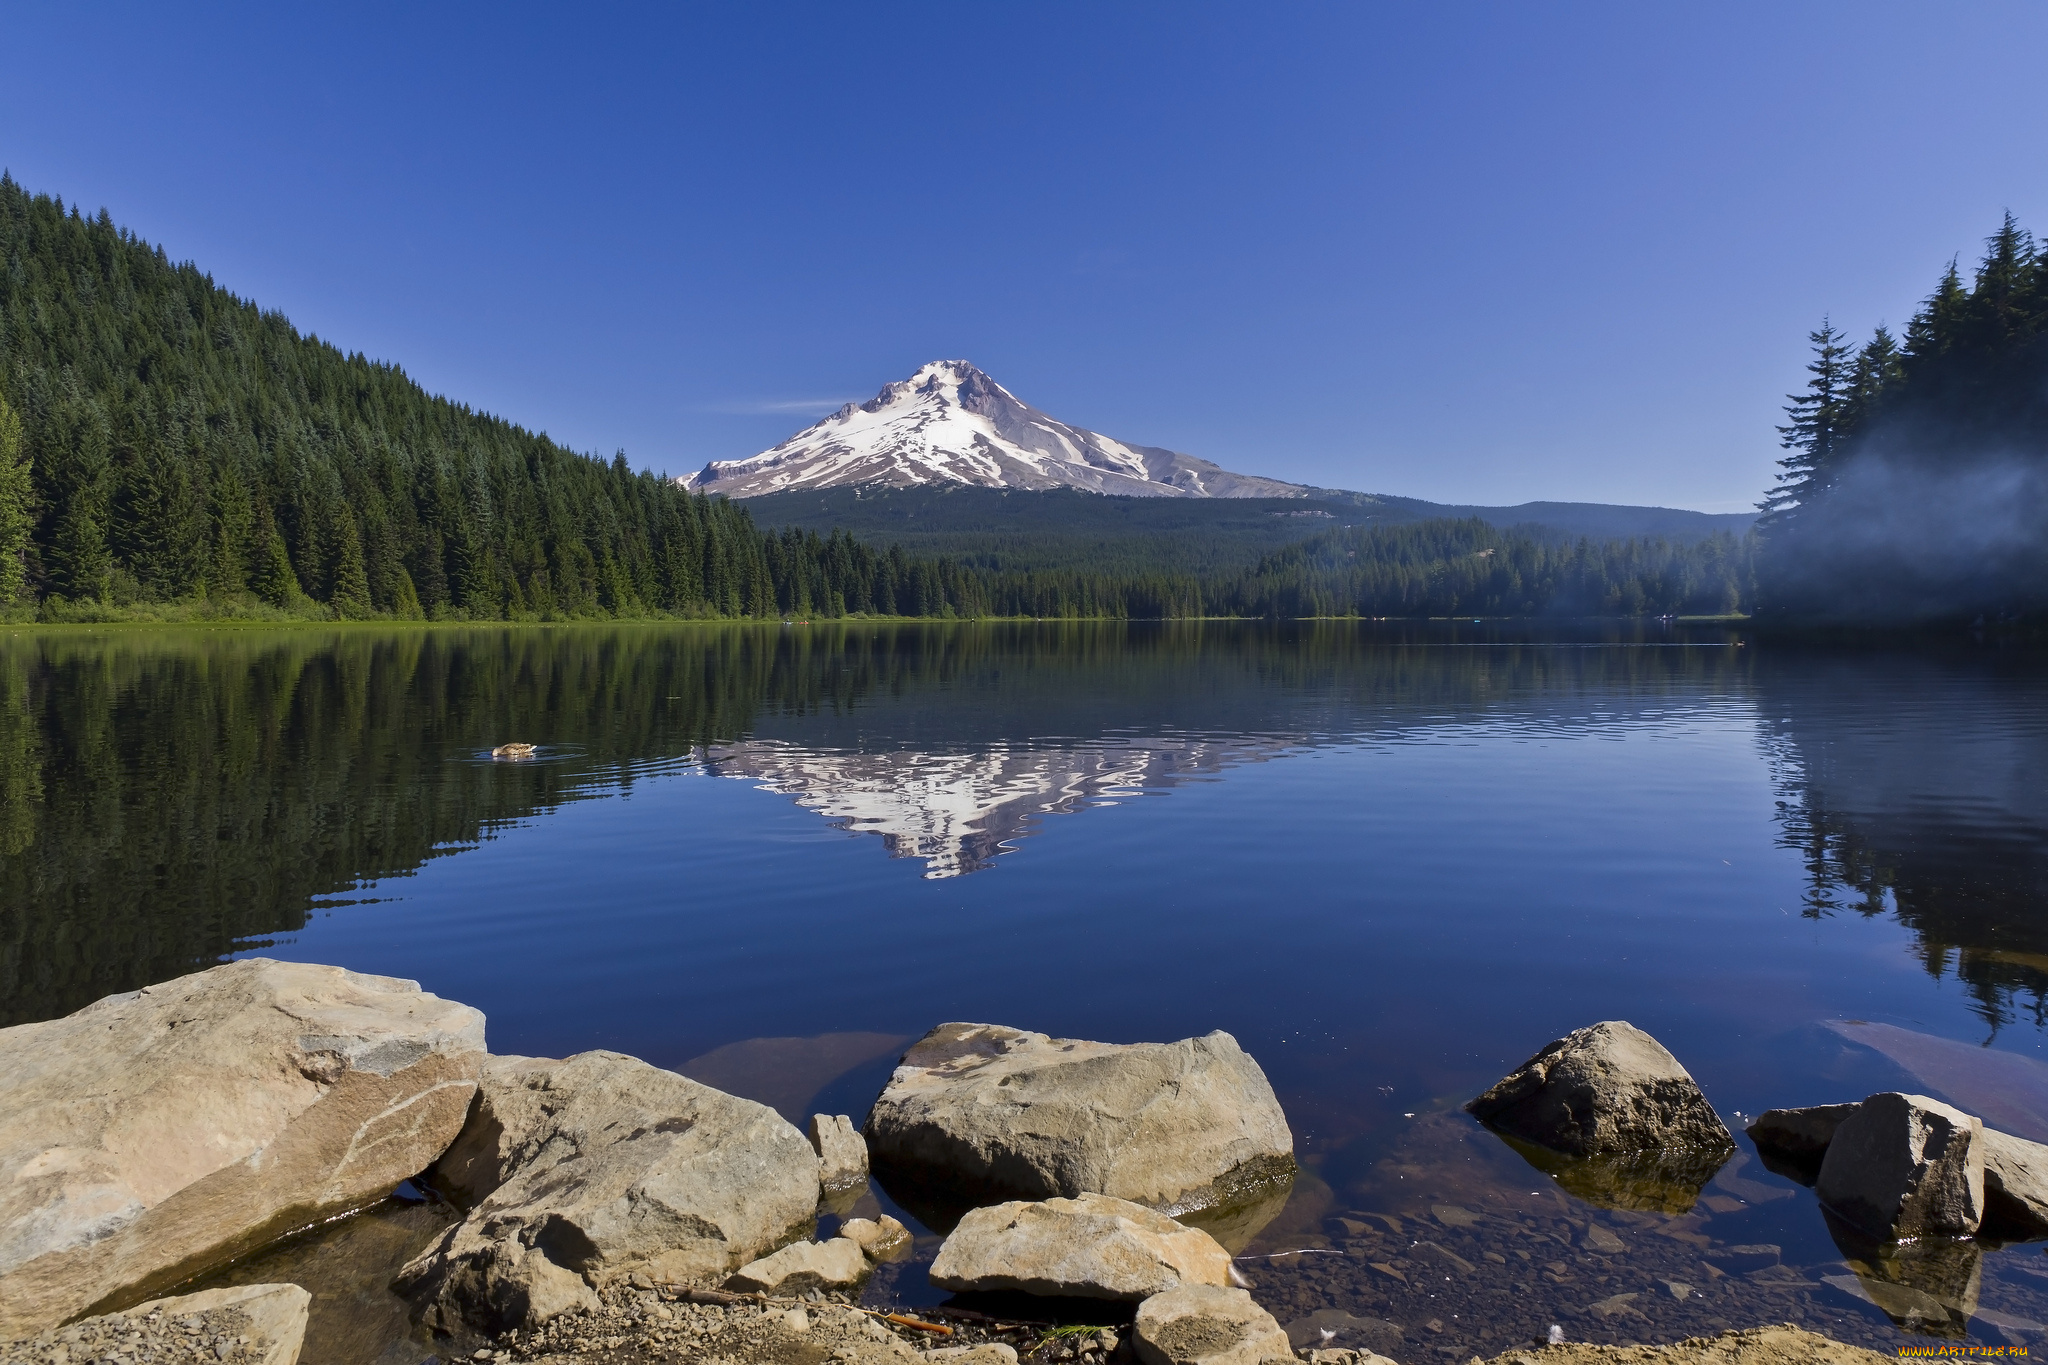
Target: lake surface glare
[[1392, 860]]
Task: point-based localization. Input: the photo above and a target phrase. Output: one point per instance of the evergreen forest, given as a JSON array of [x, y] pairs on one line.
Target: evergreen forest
[[1915, 487], [169, 450]]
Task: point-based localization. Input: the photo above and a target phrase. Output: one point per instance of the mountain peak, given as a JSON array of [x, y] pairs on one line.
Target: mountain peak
[[949, 422]]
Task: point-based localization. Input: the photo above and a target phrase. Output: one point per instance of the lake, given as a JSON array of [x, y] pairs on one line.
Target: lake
[[1393, 860]]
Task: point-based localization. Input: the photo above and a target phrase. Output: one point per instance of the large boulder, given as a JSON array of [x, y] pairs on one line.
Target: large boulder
[[1199, 1324], [1906, 1166], [997, 1111], [596, 1167], [1603, 1091], [157, 1133], [1090, 1246], [2015, 1185]]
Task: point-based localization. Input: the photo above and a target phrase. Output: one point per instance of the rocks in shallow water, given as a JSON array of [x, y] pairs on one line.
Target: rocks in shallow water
[[1906, 1166], [995, 1110], [154, 1133], [883, 1239], [602, 1165], [1201, 1324], [842, 1152], [2015, 1185], [1736, 1260], [1604, 1090], [803, 1266], [1799, 1132], [1335, 1329], [1090, 1246]]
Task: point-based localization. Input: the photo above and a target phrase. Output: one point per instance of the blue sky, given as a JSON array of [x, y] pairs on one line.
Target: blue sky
[[1479, 253]]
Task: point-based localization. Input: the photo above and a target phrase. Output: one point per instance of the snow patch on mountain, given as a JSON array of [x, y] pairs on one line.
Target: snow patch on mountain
[[950, 423]]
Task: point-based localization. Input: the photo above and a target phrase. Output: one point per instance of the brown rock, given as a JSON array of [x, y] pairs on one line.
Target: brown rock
[[1906, 1166], [1200, 1324], [1090, 1246], [2015, 1185], [1604, 1090]]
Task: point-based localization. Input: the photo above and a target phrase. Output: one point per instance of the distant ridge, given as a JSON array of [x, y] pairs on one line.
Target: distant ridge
[[951, 424]]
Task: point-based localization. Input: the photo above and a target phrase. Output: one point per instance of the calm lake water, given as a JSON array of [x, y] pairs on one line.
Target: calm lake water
[[1393, 861]]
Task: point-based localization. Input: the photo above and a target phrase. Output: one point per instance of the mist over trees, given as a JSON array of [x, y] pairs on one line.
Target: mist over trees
[[1916, 484]]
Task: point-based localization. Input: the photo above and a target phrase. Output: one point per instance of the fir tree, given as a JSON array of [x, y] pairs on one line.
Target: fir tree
[[1815, 428], [17, 505]]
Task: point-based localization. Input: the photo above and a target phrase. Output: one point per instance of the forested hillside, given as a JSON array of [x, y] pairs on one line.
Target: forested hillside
[[1917, 483], [170, 450], [171, 443]]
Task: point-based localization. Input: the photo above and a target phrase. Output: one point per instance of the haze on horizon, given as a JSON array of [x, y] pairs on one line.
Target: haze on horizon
[[1486, 256]]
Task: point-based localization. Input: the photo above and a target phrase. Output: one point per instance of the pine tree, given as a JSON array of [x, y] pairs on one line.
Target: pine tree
[[351, 596], [1879, 366], [17, 505], [275, 580], [1814, 433]]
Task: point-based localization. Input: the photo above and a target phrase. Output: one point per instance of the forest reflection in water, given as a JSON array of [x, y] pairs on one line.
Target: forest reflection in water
[[168, 797]]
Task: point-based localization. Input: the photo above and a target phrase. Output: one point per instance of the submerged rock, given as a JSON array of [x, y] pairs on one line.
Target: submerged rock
[[516, 749], [803, 1266], [981, 1110], [2015, 1185], [1200, 1324], [1090, 1246], [1906, 1166], [597, 1167], [842, 1153], [1603, 1091], [154, 1134]]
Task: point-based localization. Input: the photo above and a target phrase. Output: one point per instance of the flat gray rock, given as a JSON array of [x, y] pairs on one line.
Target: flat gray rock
[[1606, 1090], [1906, 1166], [999, 1111], [154, 1134], [1090, 1246], [597, 1167], [1199, 1324]]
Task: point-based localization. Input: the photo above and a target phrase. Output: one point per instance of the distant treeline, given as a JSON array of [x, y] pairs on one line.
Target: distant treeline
[[169, 450], [1431, 568], [1916, 487]]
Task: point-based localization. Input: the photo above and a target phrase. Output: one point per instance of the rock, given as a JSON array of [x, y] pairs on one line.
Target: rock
[[984, 1353], [256, 1324], [1799, 1132], [1602, 1240], [1090, 1246], [2015, 1185], [1201, 1324], [997, 1111], [1738, 1260], [1605, 1090], [516, 749], [803, 1266], [1335, 1329], [842, 1152], [1906, 1166], [597, 1167], [883, 1239], [154, 1134]]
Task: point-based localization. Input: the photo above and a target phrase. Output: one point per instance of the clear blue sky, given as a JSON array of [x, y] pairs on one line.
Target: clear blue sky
[[1471, 253]]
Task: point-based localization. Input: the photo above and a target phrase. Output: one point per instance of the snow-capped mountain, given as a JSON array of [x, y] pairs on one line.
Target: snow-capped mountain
[[950, 423]]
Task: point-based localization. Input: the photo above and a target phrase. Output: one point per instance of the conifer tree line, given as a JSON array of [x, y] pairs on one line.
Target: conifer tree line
[[165, 445], [162, 440], [1916, 477]]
